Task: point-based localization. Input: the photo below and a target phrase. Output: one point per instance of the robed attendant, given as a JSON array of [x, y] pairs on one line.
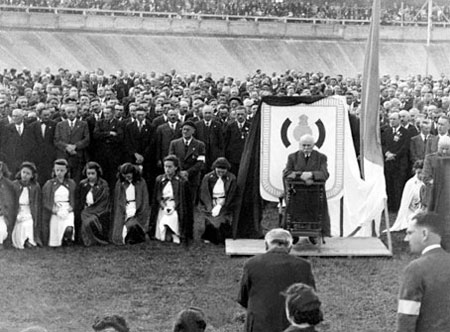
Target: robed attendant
[[93, 206], [131, 207]]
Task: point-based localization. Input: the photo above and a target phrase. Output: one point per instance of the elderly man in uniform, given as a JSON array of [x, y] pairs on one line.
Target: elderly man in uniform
[[424, 302], [310, 166], [264, 279]]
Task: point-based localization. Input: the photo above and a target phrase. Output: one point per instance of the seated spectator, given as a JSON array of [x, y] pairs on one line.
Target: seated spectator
[[190, 320], [112, 323], [93, 202], [302, 308]]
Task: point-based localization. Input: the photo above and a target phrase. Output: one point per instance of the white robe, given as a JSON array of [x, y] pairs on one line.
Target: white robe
[[409, 205], [167, 216], [62, 219], [24, 227]]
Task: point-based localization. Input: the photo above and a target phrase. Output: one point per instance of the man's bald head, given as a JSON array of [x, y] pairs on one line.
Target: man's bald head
[[444, 145], [307, 143]]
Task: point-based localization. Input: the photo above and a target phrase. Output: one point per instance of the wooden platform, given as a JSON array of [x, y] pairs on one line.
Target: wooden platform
[[334, 247]]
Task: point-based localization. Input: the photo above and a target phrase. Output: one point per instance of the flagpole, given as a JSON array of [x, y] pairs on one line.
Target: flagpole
[[430, 24]]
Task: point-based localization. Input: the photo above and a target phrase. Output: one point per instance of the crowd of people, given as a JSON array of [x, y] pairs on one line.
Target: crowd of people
[[348, 10], [113, 158]]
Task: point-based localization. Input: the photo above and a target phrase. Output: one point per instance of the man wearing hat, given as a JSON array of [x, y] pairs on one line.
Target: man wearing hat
[[191, 153], [264, 279]]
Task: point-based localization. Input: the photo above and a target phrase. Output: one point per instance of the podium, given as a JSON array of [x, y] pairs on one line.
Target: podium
[[304, 214]]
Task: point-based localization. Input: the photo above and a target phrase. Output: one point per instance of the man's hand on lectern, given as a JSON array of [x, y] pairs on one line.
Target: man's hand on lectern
[[306, 176]]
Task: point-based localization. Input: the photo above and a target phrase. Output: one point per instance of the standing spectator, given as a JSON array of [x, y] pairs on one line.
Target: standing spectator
[[424, 304], [265, 277], [235, 137], [165, 134], [191, 153], [394, 145], [443, 127], [17, 143], [71, 140], [418, 144], [209, 131], [43, 136], [139, 144], [109, 136]]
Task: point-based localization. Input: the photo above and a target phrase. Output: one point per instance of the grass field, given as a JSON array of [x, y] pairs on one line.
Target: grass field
[[64, 289]]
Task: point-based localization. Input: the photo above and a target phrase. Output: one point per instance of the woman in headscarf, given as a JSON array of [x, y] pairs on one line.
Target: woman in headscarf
[[217, 199], [93, 206], [26, 232], [58, 201], [7, 203], [171, 218], [131, 207]]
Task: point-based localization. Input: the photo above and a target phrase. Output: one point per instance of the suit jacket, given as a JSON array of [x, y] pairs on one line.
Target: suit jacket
[[44, 153], [213, 139], [108, 147], [317, 164], [417, 148], [264, 278], [235, 141], [424, 303], [17, 148], [79, 136], [432, 145], [192, 161], [139, 142], [159, 120], [398, 144], [164, 135]]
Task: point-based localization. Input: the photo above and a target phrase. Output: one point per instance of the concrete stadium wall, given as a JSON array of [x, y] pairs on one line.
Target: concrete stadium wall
[[222, 47]]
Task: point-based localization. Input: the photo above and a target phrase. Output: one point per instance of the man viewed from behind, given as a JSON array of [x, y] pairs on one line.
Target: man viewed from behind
[[424, 301], [264, 279]]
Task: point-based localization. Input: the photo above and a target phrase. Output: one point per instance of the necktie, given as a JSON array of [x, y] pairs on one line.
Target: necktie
[[19, 129], [71, 125], [186, 147], [306, 157], [139, 126], [425, 144]]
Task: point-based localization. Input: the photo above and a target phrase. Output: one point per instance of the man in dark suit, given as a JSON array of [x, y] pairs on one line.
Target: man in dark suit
[[139, 145], [71, 140], [424, 303], [95, 115], [418, 144], [443, 127], [191, 153], [209, 131], [235, 136], [161, 119], [44, 154], [17, 142], [109, 135], [310, 166], [395, 146], [165, 134], [265, 277]]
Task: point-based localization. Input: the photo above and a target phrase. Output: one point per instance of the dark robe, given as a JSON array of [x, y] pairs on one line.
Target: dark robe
[[183, 205], [94, 219], [35, 206], [137, 225], [48, 201], [8, 201], [212, 233]]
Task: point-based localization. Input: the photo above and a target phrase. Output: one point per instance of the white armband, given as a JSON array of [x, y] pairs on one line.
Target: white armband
[[201, 158]]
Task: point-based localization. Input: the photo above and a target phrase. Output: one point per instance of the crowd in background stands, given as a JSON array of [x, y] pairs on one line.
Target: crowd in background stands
[[350, 10]]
